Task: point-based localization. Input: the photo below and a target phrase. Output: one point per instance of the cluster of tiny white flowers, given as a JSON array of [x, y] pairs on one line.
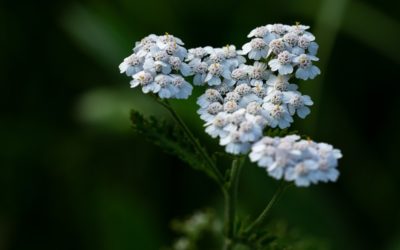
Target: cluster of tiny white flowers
[[214, 66], [285, 48], [157, 65], [304, 162], [238, 114], [243, 98]]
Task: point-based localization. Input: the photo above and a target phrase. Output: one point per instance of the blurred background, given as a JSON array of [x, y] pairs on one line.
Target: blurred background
[[73, 175]]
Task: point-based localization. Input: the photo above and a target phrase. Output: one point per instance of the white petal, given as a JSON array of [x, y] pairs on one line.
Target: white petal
[[123, 66], [285, 69], [185, 69], [313, 48], [214, 81], [274, 64], [134, 83], [303, 112], [208, 77], [307, 100], [302, 74], [246, 48]]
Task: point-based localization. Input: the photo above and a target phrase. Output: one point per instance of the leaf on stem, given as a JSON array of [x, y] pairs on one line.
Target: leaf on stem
[[168, 137]]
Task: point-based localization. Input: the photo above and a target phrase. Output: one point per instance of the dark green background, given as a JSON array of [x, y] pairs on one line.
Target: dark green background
[[74, 176]]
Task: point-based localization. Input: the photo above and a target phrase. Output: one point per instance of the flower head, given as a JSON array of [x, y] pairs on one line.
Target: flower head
[[306, 70], [253, 96], [256, 49], [157, 65], [304, 162]]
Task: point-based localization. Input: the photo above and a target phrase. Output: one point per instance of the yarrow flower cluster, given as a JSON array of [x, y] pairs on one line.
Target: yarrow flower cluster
[[247, 90], [287, 49], [304, 162], [157, 65], [243, 98], [214, 66]]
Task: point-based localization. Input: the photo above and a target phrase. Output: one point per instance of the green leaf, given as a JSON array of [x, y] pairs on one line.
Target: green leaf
[[169, 138]]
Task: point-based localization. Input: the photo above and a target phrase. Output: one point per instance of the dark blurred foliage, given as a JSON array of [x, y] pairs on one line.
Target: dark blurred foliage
[[74, 176]]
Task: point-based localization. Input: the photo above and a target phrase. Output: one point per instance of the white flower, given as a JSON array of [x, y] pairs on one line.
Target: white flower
[[232, 57], [215, 127], [224, 88], [259, 32], [211, 111], [244, 99], [259, 89], [279, 29], [216, 55], [298, 103], [178, 65], [145, 45], [327, 162], [276, 46], [172, 45], [239, 75], [302, 173], [302, 161], [210, 96], [256, 49], [199, 69], [214, 66], [184, 89], [291, 39], [298, 28], [216, 70], [306, 70], [249, 131], [263, 151], [167, 89], [283, 63], [236, 129], [274, 97], [278, 115], [157, 65], [232, 96], [262, 32], [246, 94], [281, 83], [198, 53], [230, 106], [234, 145], [141, 78], [131, 65], [254, 109], [258, 71], [305, 44]]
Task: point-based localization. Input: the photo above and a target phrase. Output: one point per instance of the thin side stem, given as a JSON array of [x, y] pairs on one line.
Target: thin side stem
[[230, 195], [261, 218], [217, 174], [229, 220]]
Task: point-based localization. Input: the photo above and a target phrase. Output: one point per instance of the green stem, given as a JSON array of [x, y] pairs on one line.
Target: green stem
[[261, 218], [230, 195], [217, 174]]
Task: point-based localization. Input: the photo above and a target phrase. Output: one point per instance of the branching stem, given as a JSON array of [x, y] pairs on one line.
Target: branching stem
[[213, 167], [261, 218]]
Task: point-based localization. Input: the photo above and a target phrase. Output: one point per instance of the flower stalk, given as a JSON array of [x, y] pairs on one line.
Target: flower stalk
[[210, 162], [230, 195], [263, 215]]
